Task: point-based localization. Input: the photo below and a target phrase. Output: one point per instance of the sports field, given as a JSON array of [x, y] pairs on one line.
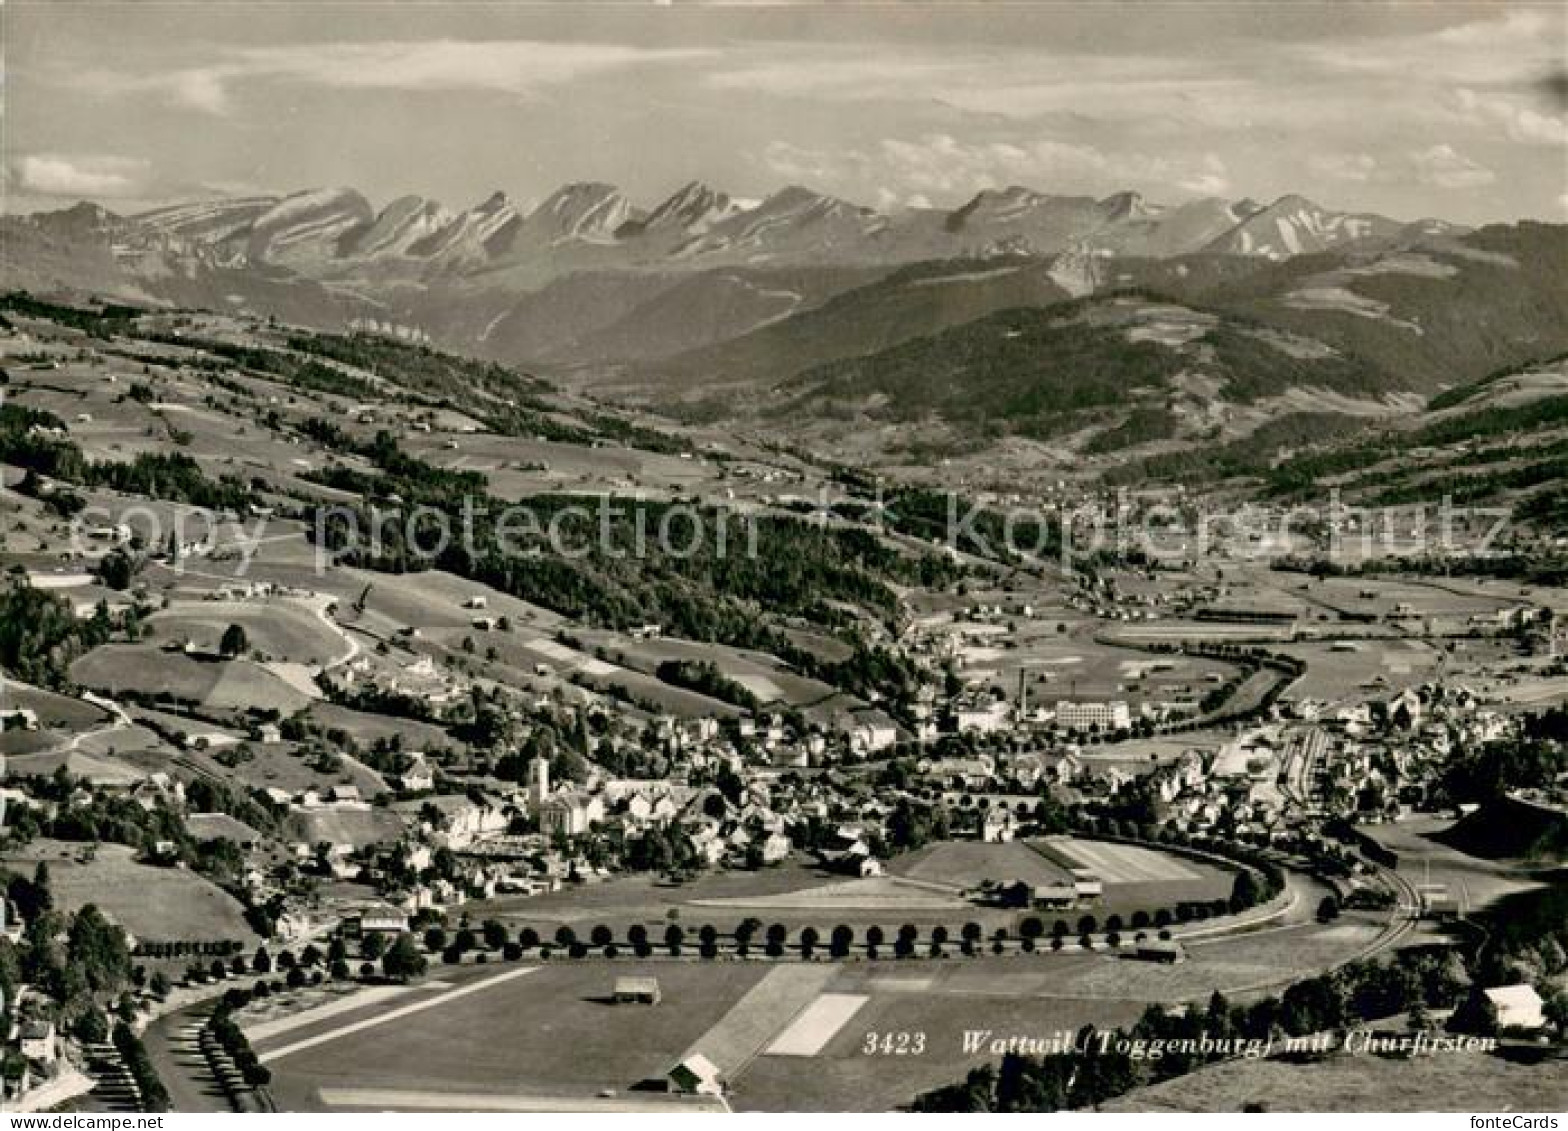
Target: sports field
[[548, 1037], [517, 1032]]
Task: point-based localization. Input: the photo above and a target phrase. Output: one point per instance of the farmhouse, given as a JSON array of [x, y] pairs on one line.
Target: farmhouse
[[418, 777], [1518, 1007], [38, 1041], [638, 991]]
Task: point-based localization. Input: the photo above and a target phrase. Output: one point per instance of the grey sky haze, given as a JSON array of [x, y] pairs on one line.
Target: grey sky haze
[[1445, 109]]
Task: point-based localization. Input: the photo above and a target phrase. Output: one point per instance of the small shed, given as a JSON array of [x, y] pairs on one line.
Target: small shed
[[696, 1075], [1168, 951], [637, 991]]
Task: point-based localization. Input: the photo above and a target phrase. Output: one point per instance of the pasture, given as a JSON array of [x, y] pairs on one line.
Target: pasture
[[150, 903], [148, 670], [60, 718], [280, 628], [758, 672], [1360, 667]]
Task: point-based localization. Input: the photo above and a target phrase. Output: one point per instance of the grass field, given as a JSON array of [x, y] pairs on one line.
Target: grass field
[[1361, 1082], [1135, 878], [888, 894], [98, 769], [281, 629], [842, 1076], [60, 712], [761, 674], [151, 903], [552, 1031], [787, 1036], [967, 864], [367, 728], [921, 888], [147, 669], [355, 827], [1339, 673], [1056, 666]]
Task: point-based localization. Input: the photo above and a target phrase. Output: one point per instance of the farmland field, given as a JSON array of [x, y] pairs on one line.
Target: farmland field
[[149, 670], [1350, 670], [151, 903], [761, 674], [283, 630]]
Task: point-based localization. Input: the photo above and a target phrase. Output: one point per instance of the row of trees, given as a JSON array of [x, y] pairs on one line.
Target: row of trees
[[231, 1042], [155, 1097]]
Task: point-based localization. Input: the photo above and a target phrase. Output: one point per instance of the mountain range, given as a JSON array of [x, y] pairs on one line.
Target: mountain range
[[337, 233], [336, 238], [797, 296]]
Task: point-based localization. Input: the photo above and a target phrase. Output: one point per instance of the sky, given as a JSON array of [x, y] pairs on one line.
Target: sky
[[1449, 109]]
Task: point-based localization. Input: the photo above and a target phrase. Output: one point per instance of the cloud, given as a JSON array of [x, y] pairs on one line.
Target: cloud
[[1485, 51], [199, 90], [1447, 168], [1211, 180], [1518, 122], [516, 67], [97, 176], [1519, 28], [1023, 84], [941, 167], [1358, 168], [1440, 166]]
